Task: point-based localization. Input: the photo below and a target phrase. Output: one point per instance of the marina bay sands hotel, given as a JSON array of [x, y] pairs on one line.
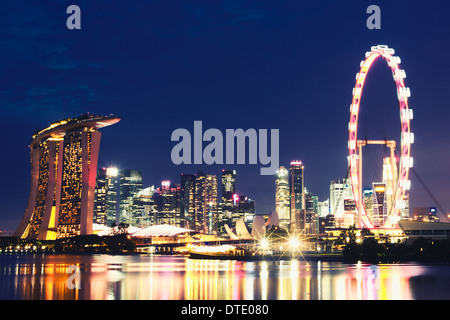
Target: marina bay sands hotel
[[64, 160]]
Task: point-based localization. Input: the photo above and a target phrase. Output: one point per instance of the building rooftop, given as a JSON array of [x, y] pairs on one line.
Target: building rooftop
[[160, 231], [59, 128]]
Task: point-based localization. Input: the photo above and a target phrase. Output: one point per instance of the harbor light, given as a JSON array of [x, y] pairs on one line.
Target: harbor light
[[264, 244], [294, 243]]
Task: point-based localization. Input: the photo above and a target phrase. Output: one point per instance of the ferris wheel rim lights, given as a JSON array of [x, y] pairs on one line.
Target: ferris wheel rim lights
[[407, 137]]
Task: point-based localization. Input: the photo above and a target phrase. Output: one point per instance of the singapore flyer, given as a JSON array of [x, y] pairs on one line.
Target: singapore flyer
[[399, 182]]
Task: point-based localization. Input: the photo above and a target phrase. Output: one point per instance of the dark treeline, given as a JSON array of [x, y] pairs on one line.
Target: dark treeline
[[114, 244], [421, 250]]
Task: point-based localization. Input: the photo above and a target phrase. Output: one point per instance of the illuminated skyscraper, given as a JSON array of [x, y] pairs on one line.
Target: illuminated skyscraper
[[245, 209], [130, 183], [342, 205], [311, 214], [187, 202], [168, 204], [390, 180], [297, 193], [380, 207], [228, 210], [145, 213], [63, 175], [100, 197], [112, 203], [105, 203], [282, 197], [206, 208], [228, 185]]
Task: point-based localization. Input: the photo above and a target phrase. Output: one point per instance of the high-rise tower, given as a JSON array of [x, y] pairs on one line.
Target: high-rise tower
[[282, 197], [228, 208], [297, 191], [228, 185], [100, 197], [130, 183], [106, 190], [206, 217], [63, 175], [187, 201]]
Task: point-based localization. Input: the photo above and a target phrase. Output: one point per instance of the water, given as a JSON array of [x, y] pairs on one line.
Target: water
[[104, 277]]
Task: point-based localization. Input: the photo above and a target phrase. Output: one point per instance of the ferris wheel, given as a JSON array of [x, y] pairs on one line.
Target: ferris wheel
[[400, 177]]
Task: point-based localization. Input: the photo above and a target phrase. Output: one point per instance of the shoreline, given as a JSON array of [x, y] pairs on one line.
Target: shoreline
[[309, 257]]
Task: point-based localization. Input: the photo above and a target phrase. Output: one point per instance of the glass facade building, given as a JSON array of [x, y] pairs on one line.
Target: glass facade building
[[282, 197], [297, 194], [130, 183], [187, 200], [105, 203], [206, 207]]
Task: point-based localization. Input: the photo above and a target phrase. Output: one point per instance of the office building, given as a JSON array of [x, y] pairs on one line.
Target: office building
[[282, 197], [297, 187], [245, 209], [168, 201], [227, 207], [106, 203], [311, 214], [389, 178], [130, 183], [380, 207], [206, 205], [324, 208], [187, 200], [342, 204], [228, 185], [145, 208], [100, 198]]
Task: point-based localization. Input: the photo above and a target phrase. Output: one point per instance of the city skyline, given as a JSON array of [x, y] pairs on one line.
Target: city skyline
[[239, 65]]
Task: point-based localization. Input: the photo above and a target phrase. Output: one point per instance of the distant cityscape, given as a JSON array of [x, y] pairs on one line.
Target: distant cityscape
[[70, 196]]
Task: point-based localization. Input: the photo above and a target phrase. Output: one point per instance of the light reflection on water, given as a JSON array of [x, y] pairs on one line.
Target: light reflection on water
[[104, 277]]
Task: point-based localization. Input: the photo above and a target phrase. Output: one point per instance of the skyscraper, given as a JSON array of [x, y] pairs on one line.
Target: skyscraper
[[311, 214], [245, 209], [297, 194], [168, 204], [187, 200], [228, 185], [390, 180], [206, 208], [100, 197], [130, 183], [228, 210], [282, 197], [342, 205], [105, 203], [145, 210], [380, 207], [112, 203], [63, 175]]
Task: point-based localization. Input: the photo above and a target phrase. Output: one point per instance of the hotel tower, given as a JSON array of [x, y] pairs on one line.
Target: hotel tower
[[63, 174]]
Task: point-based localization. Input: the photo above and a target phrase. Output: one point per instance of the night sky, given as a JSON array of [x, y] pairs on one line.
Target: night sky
[[161, 65]]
